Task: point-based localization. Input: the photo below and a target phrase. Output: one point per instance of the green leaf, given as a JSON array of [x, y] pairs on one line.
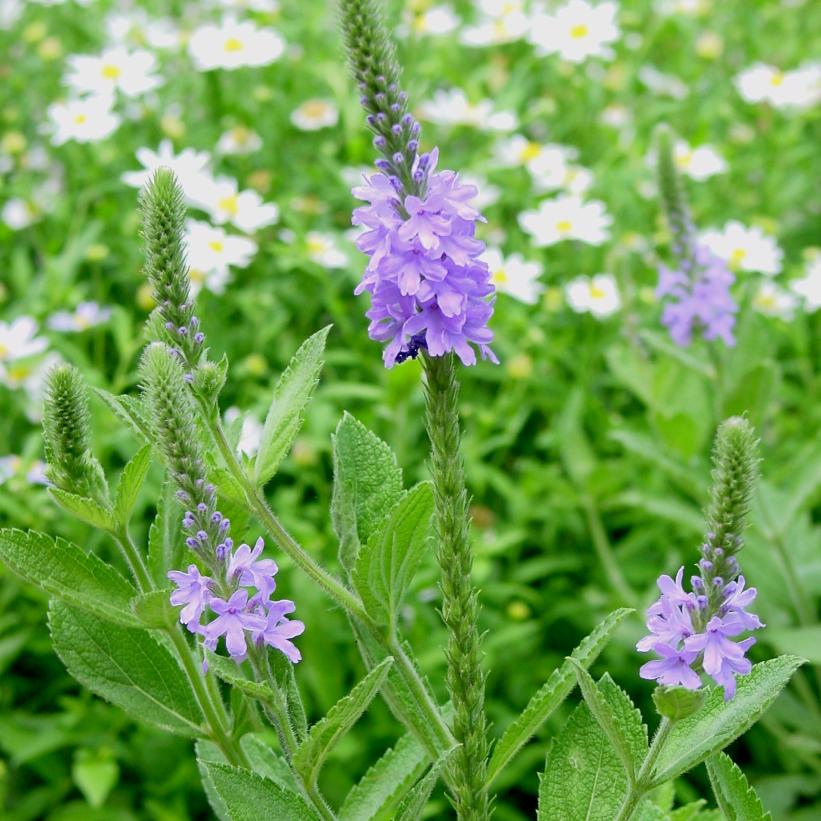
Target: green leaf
[[131, 481], [695, 811], [84, 508], [719, 722], [95, 772], [127, 667], [322, 737], [629, 749], [802, 641], [155, 610], [584, 778], [552, 693], [413, 804], [209, 753], [129, 409], [266, 762], [232, 673], [385, 566], [677, 703], [245, 796], [379, 792], [367, 484], [285, 414], [63, 569], [165, 543], [734, 796]]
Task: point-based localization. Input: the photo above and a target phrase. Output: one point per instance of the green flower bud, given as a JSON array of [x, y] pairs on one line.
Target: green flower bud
[[677, 703]]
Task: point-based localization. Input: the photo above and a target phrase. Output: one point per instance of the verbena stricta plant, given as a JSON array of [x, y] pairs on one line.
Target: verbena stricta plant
[[187, 634]]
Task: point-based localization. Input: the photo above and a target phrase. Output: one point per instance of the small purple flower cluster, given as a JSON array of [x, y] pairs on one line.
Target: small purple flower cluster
[[186, 342], [693, 631], [238, 592], [428, 288], [700, 298]]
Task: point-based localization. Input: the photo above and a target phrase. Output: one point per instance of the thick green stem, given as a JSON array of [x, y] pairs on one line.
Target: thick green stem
[[644, 780], [460, 605], [133, 559]]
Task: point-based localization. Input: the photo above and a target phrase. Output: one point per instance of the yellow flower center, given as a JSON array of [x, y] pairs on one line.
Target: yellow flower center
[[596, 292], [316, 245], [579, 31], [530, 152], [229, 204], [766, 301], [19, 373], [233, 44], [563, 226], [508, 8], [500, 276], [79, 119], [420, 23], [197, 276], [241, 135], [83, 322], [111, 72], [4, 351], [684, 159], [737, 257], [216, 246], [777, 79], [314, 109]]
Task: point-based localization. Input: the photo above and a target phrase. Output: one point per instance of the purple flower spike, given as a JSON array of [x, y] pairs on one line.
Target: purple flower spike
[[233, 619]]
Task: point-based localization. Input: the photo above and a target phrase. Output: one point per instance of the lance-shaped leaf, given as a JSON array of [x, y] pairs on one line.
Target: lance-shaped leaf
[[131, 481], [614, 725], [719, 722], [584, 779], [292, 393], [322, 737], [231, 673], [380, 791], [129, 409], [245, 796], [367, 484], [734, 796], [127, 667], [386, 564], [165, 543], [265, 761], [413, 804], [552, 693], [64, 570], [84, 508]]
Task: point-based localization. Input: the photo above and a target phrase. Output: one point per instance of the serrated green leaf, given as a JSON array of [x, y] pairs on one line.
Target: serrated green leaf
[[87, 510], [719, 722], [125, 666], [584, 779], [386, 565], [367, 484], [322, 737], [245, 796], [266, 762], [165, 542], [379, 792], [734, 796], [129, 409], [292, 393], [554, 691], [208, 752], [630, 750], [64, 570], [131, 481], [232, 673], [154, 609]]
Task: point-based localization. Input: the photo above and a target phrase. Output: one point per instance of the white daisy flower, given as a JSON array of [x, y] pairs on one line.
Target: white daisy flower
[[698, 163], [808, 287], [664, 84], [451, 107], [774, 301], [598, 295], [239, 140], [85, 121], [18, 213], [86, 315], [19, 340], [224, 202], [116, 69], [250, 432], [576, 31], [540, 159], [323, 249], [514, 275], [189, 166], [234, 44], [500, 21], [135, 27], [10, 13], [744, 249], [433, 22], [567, 217], [211, 249], [800, 88], [315, 114], [13, 465]]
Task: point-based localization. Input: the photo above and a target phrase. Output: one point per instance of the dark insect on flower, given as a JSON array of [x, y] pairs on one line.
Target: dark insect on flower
[[415, 345]]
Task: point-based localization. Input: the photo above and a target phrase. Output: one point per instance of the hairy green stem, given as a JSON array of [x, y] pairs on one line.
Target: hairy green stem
[[133, 559], [460, 604], [644, 780]]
